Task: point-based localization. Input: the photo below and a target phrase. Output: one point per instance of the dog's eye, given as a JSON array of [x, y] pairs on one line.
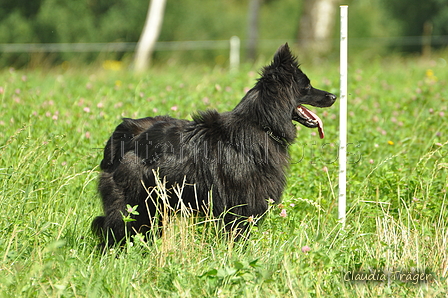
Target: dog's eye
[[308, 87]]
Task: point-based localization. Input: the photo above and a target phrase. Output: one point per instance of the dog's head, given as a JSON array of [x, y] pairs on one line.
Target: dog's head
[[284, 76]]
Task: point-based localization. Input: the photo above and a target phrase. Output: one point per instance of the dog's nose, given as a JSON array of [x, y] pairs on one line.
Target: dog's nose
[[331, 96]]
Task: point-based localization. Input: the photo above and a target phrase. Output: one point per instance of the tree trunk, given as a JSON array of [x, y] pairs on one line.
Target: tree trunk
[[149, 35], [252, 31], [316, 26], [426, 39]]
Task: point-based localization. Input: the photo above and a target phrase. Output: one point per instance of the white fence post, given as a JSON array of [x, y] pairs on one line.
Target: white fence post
[[342, 202], [234, 53]]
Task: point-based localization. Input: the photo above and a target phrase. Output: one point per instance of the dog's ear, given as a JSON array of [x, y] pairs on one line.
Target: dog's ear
[[283, 56]]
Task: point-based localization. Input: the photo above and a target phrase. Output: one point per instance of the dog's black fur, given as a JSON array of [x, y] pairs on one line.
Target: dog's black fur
[[236, 158]]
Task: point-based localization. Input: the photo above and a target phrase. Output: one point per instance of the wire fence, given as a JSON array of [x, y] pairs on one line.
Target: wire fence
[[436, 40], [233, 46], [110, 47], [440, 40]]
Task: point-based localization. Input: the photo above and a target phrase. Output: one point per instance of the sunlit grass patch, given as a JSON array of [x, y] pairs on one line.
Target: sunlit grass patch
[[53, 127]]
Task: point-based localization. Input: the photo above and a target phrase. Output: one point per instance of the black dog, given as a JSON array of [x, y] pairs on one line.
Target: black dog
[[236, 159]]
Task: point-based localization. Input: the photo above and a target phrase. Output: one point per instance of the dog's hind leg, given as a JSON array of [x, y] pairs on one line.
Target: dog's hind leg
[[98, 226], [111, 226]]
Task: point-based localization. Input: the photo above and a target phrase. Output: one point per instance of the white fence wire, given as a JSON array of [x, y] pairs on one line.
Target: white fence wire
[[439, 40]]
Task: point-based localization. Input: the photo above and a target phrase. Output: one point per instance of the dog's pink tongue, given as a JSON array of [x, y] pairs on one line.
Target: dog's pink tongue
[[320, 124], [321, 129]]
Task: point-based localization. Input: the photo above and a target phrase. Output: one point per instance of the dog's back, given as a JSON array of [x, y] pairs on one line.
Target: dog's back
[[123, 135]]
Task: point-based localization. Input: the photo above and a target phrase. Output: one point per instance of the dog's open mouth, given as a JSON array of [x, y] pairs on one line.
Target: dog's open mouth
[[309, 119]]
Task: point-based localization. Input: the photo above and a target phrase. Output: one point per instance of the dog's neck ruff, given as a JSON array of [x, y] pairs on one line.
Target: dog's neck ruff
[[276, 138]]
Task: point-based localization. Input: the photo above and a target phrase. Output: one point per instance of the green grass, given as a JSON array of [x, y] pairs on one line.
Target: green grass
[[54, 124]]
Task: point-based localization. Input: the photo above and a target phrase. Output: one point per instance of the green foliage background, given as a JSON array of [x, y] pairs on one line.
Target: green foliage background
[[86, 21]]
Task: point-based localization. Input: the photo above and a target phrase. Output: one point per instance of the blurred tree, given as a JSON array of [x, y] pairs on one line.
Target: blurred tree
[[252, 28], [414, 14], [100, 7], [149, 35], [316, 25], [27, 8]]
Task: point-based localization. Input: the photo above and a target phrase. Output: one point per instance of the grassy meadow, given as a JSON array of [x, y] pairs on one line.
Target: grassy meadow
[[54, 124]]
